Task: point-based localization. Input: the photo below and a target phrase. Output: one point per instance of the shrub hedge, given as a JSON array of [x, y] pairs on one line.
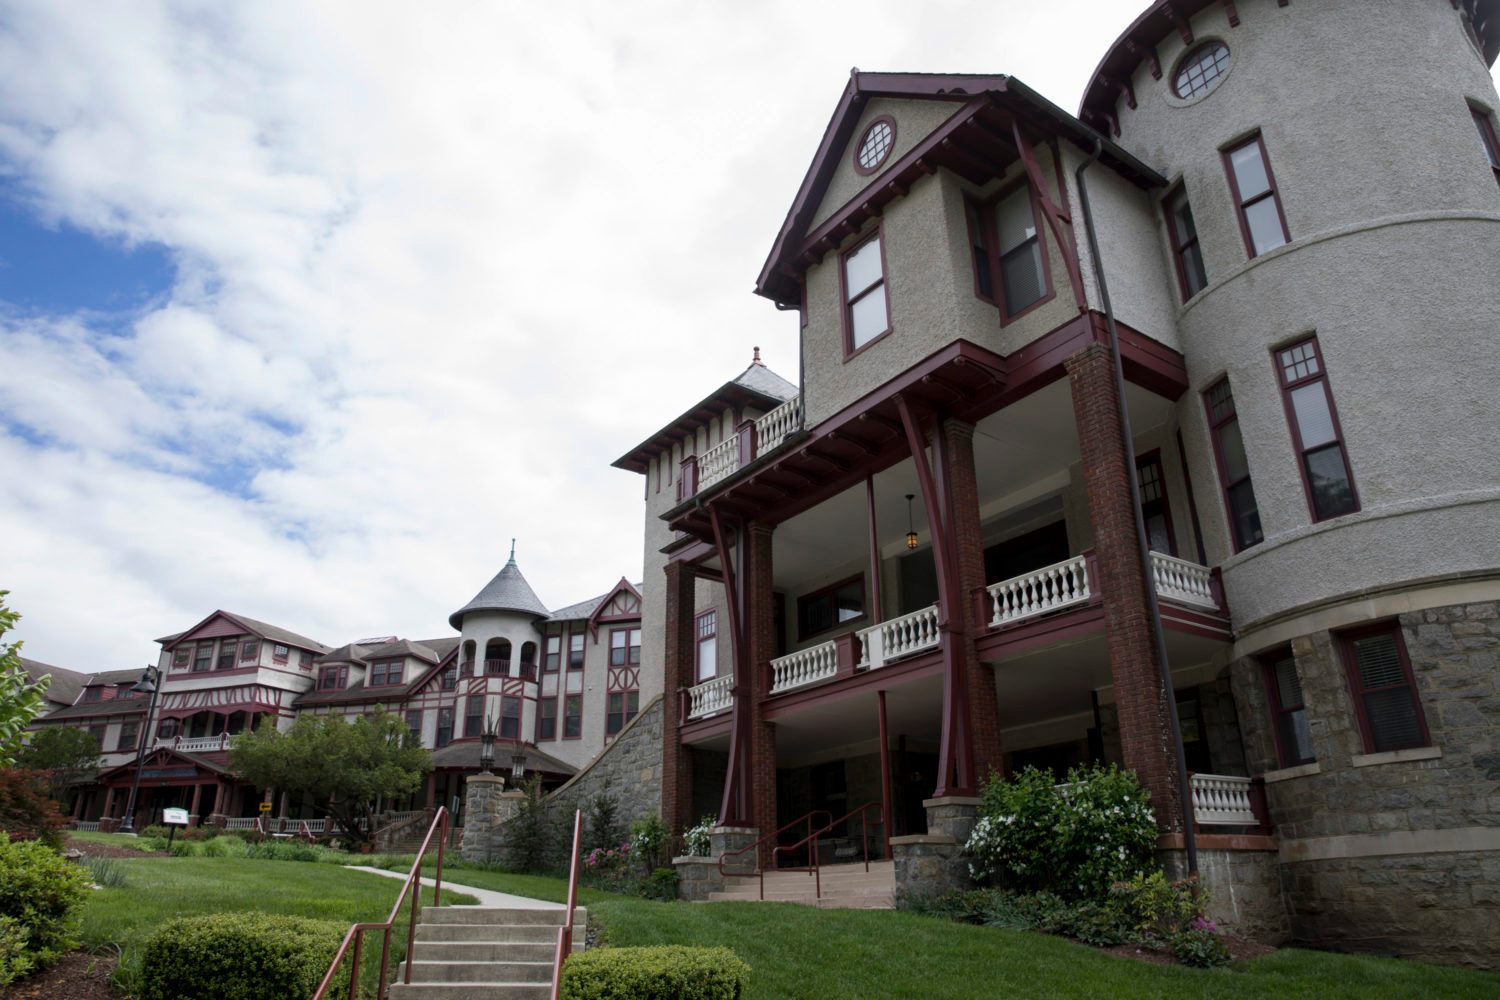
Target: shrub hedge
[[239, 956], [663, 972], [39, 890]]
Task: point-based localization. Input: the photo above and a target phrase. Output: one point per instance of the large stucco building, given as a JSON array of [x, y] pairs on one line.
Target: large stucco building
[[920, 562]]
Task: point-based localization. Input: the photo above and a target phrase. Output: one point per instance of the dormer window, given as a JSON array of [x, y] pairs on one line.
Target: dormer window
[[203, 657], [333, 678], [226, 655], [250, 649], [93, 694], [1201, 70], [867, 316], [280, 653], [385, 673], [180, 657]]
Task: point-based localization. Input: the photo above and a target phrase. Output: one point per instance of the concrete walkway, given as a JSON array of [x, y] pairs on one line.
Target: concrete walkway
[[486, 897]]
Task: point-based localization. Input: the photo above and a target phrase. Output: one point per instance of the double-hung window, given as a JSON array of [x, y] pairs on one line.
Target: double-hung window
[[250, 650], [227, 649], [1487, 139], [866, 313], [203, 657], [1384, 690], [552, 653], [624, 647], [1262, 221], [546, 719], [707, 630], [575, 649], [414, 723], [510, 718], [444, 726], [385, 673], [180, 657], [623, 706], [1288, 712], [333, 678], [1192, 277], [129, 731], [1315, 430], [1155, 510], [474, 716], [1234, 466], [1022, 279], [572, 716]]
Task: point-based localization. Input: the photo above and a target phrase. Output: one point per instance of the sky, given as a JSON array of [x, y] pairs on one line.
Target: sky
[[307, 310]]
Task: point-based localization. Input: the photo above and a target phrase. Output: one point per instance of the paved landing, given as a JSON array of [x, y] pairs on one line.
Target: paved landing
[[486, 897]]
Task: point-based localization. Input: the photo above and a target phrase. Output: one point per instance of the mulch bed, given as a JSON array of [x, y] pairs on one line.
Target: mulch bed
[[107, 850], [1241, 949], [78, 976]]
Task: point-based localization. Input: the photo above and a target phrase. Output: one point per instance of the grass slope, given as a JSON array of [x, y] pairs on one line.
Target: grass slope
[[795, 951]]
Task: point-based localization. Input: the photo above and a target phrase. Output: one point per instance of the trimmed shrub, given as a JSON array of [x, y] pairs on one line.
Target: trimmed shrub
[[1075, 839], [1200, 947], [1158, 909], [662, 972], [15, 961], [40, 890], [27, 811], [225, 847], [239, 956]]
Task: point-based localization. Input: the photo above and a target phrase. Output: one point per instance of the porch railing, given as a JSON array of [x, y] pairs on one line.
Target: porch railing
[[1224, 800], [565, 932], [765, 434], [900, 637], [806, 666], [198, 744], [1182, 581], [710, 697], [85, 826], [354, 938], [772, 429], [718, 462], [1040, 591]]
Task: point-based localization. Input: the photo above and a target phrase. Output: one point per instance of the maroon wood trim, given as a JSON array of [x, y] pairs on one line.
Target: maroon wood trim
[[848, 297], [854, 147], [699, 730], [813, 595], [875, 610], [1193, 621], [1268, 661], [1220, 842], [925, 665], [1149, 458], [1067, 625], [1287, 387], [1239, 202], [1053, 217], [1178, 247], [1187, 482], [1357, 690], [1214, 426], [1232, 12], [978, 223]]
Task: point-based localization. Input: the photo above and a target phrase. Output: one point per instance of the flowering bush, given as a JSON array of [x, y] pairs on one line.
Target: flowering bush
[[698, 844], [648, 841], [607, 867], [1075, 839]]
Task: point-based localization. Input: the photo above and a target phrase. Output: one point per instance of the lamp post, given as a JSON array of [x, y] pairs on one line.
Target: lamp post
[[518, 765], [487, 746], [148, 684]]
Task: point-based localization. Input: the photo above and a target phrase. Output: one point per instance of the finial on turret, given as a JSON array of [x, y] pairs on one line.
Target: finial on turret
[[756, 360], [512, 550]]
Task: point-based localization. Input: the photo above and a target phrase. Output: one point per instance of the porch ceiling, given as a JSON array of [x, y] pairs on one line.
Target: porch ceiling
[[913, 709]]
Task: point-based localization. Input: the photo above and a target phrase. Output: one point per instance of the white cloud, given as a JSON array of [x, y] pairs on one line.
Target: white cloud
[[436, 269]]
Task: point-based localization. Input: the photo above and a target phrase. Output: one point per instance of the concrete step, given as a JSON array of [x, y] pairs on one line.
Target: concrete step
[[423, 971], [495, 933], [498, 915], [470, 991], [485, 951]]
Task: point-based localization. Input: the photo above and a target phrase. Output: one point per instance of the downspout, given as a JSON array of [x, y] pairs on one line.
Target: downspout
[[1153, 607]]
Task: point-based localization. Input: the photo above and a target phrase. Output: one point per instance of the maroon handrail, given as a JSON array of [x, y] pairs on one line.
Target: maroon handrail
[[815, 863], [355, 936], [773, 836], [565, 932]]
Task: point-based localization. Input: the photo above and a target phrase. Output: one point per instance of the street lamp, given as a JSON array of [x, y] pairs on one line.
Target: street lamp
[[518, 765], [487, 746], [148, 684]]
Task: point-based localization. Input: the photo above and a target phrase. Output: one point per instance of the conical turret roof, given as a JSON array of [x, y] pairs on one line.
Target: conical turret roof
[[508, 591]]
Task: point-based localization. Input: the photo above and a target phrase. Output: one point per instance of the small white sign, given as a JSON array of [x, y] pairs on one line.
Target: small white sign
[[174, 817]]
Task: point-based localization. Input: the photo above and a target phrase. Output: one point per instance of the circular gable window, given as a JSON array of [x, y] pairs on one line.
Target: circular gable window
[[1201, 69], [876, 145]]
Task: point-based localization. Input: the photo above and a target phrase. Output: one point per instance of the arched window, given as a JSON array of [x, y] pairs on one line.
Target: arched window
[[497, 656], [1200, 70]]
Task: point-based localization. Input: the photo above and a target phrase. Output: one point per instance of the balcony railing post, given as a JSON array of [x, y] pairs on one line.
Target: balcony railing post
[[687, 478], [746, 432], [844, 652]]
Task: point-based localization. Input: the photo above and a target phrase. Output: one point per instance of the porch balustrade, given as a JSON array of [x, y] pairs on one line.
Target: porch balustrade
[[710, 697], [772, 429], [198, 744], [85, 826], [1182, 581], [1040, 591], [898, 638], [806, 666], [737, 450], [718, 462], [1224, 800]]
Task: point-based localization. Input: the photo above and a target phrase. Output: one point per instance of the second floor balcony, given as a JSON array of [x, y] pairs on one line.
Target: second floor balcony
[[752, 440]]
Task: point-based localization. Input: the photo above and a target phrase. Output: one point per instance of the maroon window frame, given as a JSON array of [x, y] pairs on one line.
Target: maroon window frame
[[1187, 254], [856, 151], [130, 735], [250, 649], [1384, 688], [304, 659], [572, 717], [280, 653], [228, 655], [387, 672], [333, 678], [988, 263], [510, 717], [546, 719], [449, 679], [624, 647], [849, 297], [474, 716], [623, 706], [444, 734], [1237, 490], [1245, 204], [552, 652], [1288, 708], [1303, 375], [1156, 509], [576, 648], [203, 657], [1488, 141], [806, 630], [705, 628], [181, 657], [414, 723]]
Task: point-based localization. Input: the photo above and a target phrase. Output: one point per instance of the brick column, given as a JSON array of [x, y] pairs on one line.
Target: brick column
[[760, 642], [963, 499], [1145, 729], [677, 673]]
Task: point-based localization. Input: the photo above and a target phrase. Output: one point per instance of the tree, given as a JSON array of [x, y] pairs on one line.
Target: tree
[[68, 755], [347, 764], [21, 699]]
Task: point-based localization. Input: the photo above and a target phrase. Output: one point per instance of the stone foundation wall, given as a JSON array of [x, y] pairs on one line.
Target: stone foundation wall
[[935, 862], [1245, 889]]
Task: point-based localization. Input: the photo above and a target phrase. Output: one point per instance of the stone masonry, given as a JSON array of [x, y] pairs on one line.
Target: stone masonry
[[935, 862], [1397, 852]]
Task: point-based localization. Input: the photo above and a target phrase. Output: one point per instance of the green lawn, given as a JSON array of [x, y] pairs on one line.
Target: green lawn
[[796, 951], [157, 889]]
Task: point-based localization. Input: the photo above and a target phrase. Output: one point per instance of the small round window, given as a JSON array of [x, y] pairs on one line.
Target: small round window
[[876, 145], [1200, 70]]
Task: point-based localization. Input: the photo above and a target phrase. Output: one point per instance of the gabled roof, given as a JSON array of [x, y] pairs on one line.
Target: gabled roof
[[953, 144], [508, 591], [271, 633], [66, 684], [129, 674], [1138, 43], [105, 709], [588, 608], [755, 386]]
